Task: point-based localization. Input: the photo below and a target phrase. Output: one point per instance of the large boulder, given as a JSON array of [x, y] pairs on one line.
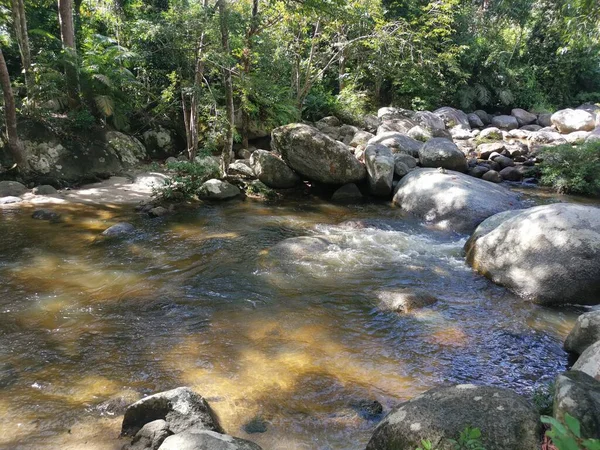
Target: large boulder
[[506, 420], [523, 117], [159, 142], [440, 152], [316, 156], [119, 229], [485, 117], [589, 361], [432, 123], [453, 117], [272, 171], [578, 395], [180, 408], [549, 254], [11, 189], [475, 121], [570, 120], [396, 125], [452, 200], [504, 122], [380, 165], [218, 190], [198, 439], [585, 332], [150, 437], [398, 143]]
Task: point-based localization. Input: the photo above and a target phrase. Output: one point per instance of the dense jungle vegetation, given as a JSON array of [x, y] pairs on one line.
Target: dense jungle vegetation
[[199, 66]]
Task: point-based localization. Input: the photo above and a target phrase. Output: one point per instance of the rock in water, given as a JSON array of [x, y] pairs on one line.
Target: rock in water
[[506, 420], [218, 190], [452, 200], [440, 152], [150, 437], [180, 408], [570, 120], [380, 165], [11, 189], [45, 214], [272, 171], [206, 440], [349, 193], [578, 394], [316, 156], [119, 229], [589, 361], [585, 332], [44, 189], [549, 254]]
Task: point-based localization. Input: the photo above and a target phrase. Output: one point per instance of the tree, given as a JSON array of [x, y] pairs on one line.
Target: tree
[[227, 84], [67, 35], [20, 29], [10, 113]]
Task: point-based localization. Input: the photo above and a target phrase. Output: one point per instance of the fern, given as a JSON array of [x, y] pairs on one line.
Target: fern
[[105, 104]]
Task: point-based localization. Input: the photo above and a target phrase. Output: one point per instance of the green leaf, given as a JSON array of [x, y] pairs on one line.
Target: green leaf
[[573, 425]]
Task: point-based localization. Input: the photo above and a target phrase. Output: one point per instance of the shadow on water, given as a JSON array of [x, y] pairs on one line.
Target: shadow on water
[[200, 299]]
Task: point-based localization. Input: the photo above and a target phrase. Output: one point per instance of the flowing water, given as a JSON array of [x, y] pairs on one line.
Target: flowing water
[[288, 343]]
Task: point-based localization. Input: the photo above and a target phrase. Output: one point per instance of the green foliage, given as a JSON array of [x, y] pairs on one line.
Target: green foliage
[[469, 439], [543, 399], [81, 119], [572, 170], [318, 104], [185, 178], [567, 435]]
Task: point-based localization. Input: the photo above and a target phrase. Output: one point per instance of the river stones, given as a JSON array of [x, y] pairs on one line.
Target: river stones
[[404, 300], [180, 408], [589, 361], [11, 189], [453, 117], [578, 394], [440, 152], [119, 229], [198, 439], [475, 121], [45, 214], [316, 156], [585, 332], [218, 190], [380, 169], [549, 254], [523, 117], [452, 200], [44, 189], [506, 420], [272, 171], [570, 120], [398, 143]]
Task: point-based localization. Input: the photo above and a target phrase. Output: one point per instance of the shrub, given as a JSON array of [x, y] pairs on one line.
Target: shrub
[[186, 178], [567, 436], [572, 170]]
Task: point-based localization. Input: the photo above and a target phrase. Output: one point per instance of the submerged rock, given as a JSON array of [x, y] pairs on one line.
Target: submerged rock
[[506, 420], [45, 214], [349, 193], [151, 436], [405, 300], [578, 394], [585, 332], [452, 200], [549, 254], [119, 229]]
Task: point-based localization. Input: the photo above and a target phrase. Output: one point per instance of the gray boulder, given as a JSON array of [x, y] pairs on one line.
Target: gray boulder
[[570, 120], [491, 133], [349, 193], [194, 439], [419, 133], [150, 437], [531, 127], [316, 156], [218, 190], [504, 161], [11, 189], [431, 123], [398, 143], [159, 142], [594, 135], [272, 171], [486, 150], [577, 137], [492, 176], [589, 361], [396, 125], [380, 169], [546, 137], [180, 408], [241, 167], [440, 152], [578, 394], [506, 420], [485, 117], [549, 254], [45, 214], [475, 121], [523, 117], [452, 200], [504, 122], [544, 120], [361, 138], [119, 229], [585, 332], [44, 189], [453, 117], [511, 174]]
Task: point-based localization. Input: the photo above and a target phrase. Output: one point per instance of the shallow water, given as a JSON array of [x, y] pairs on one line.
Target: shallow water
[[198, 299]]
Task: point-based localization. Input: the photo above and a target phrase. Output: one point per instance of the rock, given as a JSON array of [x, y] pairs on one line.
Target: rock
[[347, 133], [316, 156], [546, 137], [475, 121], [241, 167], [511, 174], [570, 120], [459, 133], [181, 408], [405, 159], [398, 143], [391, 113], [151, 436], [256, 425], [272, 171], [119, 229], [397, 126], [258, 189], [578, 394], [218, 190], [432, 124], [349, 193], [491, 133], [453, 117], [159, 142], [519, 133], [361, 138], [9, 200], [492, 176], [243, 153], [504, 161], [159, 211], [485, 150], [549, 254], [400, 168], [171, 160], [478, 171], [594, 135], [504, 122], [577, 137], [523, 117], [333, 132], [367, 409], [370, 123], [45, 214], [532, 127], [11, 189], [485, 118], [489, 224], [585, 332], [329, 121], [419, 133], [544, 120], [506, 420], [405, 300], [380, 169], [128, 149], [589, 361], [44, 189], [452, 200], [440, 152], [206, 440]]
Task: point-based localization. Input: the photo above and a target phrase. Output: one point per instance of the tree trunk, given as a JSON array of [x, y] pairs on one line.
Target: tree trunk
[[228, 84], [20, 27], [67, 35], [10, 113], [246, 64]]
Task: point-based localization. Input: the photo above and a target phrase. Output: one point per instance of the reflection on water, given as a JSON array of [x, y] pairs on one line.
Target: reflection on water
[[201, 300]]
